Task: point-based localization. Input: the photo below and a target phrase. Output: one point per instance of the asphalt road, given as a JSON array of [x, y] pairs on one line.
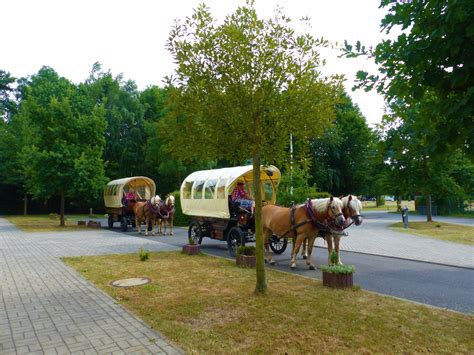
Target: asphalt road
[[433, 284]]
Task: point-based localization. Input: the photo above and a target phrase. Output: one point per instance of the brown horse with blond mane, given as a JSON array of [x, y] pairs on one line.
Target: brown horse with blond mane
[[167, 215], [300, 222], [351, 210], [147, 211]]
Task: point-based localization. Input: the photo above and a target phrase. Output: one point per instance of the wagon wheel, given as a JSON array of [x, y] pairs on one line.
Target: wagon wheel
[[278, 245], [123, 224], [111, 221], [235, 238], [195, 232]]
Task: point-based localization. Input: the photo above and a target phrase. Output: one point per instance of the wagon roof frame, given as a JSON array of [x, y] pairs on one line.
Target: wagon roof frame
[[115, 200], [218, 207]]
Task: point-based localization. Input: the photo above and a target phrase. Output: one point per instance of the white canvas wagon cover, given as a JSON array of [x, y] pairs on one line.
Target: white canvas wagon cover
[[113, 191], [206, 193]]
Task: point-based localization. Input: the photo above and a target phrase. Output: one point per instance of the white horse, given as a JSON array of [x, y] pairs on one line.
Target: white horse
[[351, 209]]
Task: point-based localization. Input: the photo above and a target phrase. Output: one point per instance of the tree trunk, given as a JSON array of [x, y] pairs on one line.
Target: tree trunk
[[25, 205], [62, 209], [261, 286], [429, 217]]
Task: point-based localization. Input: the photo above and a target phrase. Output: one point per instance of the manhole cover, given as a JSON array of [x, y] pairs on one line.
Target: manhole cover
[[133, 281]]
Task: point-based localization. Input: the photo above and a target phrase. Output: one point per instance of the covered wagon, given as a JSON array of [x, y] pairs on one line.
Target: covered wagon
[[206, 196], [118, 207]]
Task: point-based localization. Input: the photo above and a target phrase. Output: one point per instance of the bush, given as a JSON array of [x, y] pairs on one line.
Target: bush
[[334, 268], [248, 250], [143, 254], [338, 269], [180, 219]]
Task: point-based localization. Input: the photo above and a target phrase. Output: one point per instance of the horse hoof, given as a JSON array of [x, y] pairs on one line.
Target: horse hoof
[[272, 262], [305, 257], [153, 234], [293, 267], [311, 267]]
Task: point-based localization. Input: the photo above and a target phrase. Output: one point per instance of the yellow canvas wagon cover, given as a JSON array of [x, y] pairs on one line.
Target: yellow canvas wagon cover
[[206, 193], [114, 190]]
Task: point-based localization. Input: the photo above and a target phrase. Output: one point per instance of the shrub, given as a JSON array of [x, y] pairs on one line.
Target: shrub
[[334, 268], [248, 250], [143, 254], [338, 269]]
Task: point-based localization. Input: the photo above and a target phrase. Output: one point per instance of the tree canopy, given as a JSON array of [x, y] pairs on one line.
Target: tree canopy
[[342, 156], [241, 88], [64, 156], [429, 62]]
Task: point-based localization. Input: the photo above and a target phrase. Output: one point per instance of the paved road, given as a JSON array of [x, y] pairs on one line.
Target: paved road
[[446, 281]]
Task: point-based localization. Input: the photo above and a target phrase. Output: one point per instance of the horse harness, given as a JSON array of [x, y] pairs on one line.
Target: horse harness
[[168, 209], [323, 228], [155, 209]]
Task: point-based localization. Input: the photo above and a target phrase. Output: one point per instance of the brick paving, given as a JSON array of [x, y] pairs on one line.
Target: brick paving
[[48, 308]]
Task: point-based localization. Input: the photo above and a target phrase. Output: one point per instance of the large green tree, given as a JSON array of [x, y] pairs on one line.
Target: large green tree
[[427, 78], [241, 88], [430, 61], [125, 133], [65, 157], [343, 156]]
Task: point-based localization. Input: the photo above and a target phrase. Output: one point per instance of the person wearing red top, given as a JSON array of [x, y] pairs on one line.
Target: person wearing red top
[[239, 192], [240, 195]]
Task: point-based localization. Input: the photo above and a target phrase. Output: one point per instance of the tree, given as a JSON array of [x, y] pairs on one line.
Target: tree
[[342, 156], [7, 105], [412, 165], [241, 88], [65, 159], [430, 62], [125, 133]]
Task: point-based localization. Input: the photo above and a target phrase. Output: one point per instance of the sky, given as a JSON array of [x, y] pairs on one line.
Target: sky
[[129, 37]]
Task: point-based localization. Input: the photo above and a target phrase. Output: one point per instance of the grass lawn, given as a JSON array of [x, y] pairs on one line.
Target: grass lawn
[[206, 305], [389, 206], [438, 230], [44, 223]]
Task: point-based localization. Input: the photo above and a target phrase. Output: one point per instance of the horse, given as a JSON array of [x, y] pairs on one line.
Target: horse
[[351, 210], [167, 214], [302, 221], [146, 211]]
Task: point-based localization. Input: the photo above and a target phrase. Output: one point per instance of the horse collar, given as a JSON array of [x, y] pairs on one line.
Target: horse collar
[[310, 212], [155, 210]]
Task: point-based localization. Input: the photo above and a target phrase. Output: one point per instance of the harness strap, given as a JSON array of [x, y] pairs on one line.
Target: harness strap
[[155, 210], [295, 227], [314, 220], [292, 219]]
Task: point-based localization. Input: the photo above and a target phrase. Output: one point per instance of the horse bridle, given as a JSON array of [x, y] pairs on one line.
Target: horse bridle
[[331, 221], [351, 216]]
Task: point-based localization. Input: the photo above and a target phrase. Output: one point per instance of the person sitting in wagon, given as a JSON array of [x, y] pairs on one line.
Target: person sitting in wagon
[[240, 195], [130, 196]]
